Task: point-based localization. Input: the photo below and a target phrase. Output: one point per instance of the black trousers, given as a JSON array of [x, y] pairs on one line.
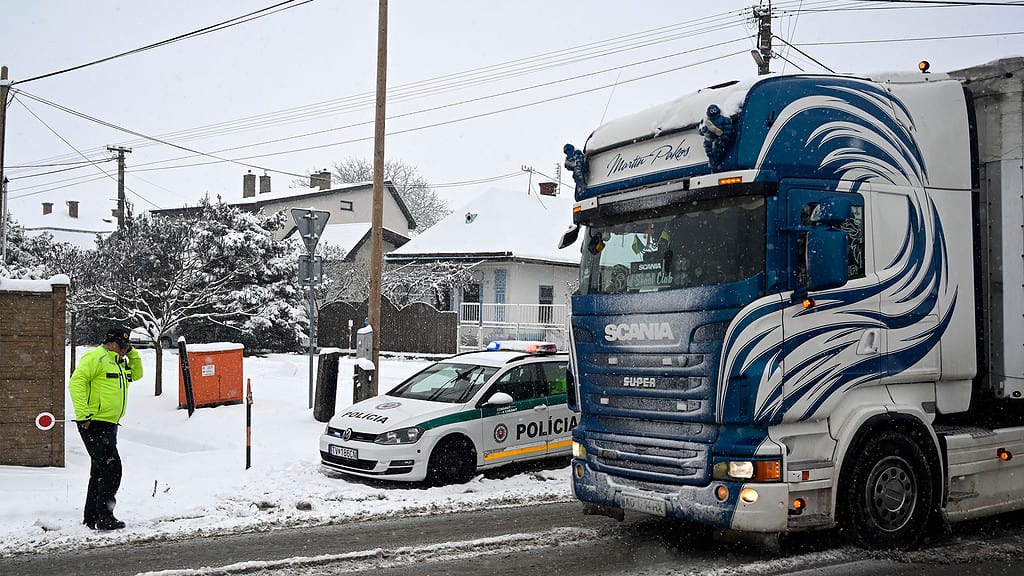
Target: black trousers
[[100, 440]]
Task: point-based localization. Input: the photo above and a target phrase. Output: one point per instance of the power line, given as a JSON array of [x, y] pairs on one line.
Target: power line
[[208, 29]]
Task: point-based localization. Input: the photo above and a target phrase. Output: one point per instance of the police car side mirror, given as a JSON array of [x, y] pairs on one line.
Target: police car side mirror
[[498, 399]]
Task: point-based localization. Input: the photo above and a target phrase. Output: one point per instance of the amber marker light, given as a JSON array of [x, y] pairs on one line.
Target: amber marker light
[[798, 506], [808, 303], [730, 180], [722, 493], [1004, 454], [577, 209], [923, 66]]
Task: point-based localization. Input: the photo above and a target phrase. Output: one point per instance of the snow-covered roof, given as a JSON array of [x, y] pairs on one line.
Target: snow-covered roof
[[290, 193], [682, 112], [499, 224], [93, 218], [349, 237]]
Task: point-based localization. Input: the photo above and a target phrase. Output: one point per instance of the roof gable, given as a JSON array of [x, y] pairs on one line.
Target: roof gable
[[499, 224]]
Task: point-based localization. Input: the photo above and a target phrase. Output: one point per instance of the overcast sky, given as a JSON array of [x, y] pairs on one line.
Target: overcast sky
[[478, 90]]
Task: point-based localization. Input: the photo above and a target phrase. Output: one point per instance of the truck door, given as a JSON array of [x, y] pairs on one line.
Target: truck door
[[838, 342]]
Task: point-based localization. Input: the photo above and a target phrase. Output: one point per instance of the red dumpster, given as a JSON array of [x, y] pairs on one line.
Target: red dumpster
[[216, 371]]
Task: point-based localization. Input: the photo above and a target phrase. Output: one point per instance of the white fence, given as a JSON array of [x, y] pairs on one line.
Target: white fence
[[482, 323]]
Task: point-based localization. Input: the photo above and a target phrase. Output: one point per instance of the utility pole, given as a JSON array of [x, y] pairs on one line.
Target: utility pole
[[377, 224], [763, 54], [5, 88], [120, 183]]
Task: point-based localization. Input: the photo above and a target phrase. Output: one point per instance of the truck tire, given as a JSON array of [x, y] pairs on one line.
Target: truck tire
[[453, 461], [887, 500]]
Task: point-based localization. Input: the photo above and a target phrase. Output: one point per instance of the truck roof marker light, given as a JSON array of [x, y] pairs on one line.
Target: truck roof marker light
[[1004, 454], [808, 303], [730, 180]]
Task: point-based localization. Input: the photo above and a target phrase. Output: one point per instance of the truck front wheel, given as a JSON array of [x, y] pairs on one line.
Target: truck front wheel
[[888, 496]]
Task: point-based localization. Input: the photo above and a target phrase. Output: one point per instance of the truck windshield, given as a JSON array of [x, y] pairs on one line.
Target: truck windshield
[[694, 244]]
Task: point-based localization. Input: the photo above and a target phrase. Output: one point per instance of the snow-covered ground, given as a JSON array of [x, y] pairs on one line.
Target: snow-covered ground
[[186, 476]]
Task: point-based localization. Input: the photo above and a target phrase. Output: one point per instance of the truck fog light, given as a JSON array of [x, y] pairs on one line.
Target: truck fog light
[[748, 495], [579, 470], [722, 493]]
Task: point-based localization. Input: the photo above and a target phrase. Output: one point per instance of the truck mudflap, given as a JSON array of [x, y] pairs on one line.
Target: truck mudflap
[[767, 513]]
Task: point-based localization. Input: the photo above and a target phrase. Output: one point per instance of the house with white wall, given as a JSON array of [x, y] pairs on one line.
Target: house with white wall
[[509, 239], [350, 207]]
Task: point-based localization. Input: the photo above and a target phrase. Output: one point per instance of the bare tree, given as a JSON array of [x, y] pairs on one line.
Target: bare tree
[[426, 207]]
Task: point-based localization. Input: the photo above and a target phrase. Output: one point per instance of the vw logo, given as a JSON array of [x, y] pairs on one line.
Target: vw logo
[[346, 435]]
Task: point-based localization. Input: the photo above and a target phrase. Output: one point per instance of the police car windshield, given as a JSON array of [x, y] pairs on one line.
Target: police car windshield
[[443, 382]]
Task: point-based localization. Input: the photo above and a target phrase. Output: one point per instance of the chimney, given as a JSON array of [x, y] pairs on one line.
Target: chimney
[[548, 189], [264, 183], [47, 207], [320, 180], [73, 208], [249, 185]]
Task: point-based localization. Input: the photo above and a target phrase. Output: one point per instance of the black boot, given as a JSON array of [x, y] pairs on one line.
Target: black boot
[[108, 523]]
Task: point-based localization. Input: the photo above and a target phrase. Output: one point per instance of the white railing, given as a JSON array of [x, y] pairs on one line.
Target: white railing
[[497, 314], [481, 323]]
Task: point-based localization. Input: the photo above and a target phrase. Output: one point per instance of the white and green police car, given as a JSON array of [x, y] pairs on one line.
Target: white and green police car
[[466, 413]]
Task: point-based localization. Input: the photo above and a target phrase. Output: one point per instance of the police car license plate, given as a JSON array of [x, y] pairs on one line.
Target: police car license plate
[[642, 504], [342, 452]]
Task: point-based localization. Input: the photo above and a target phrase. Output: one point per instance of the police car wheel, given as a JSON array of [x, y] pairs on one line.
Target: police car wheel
[[453, 461]]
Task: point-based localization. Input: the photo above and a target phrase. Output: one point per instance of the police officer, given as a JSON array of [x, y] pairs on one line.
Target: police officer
[[99, 392]]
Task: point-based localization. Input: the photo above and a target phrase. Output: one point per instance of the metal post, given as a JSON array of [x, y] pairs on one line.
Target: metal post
[[5, 87], [312, 338], [248, 423]]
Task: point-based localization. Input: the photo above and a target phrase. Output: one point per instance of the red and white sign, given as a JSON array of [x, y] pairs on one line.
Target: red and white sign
[[45, 421]]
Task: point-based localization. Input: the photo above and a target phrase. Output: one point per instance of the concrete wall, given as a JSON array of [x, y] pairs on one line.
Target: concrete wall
[[32, 373]]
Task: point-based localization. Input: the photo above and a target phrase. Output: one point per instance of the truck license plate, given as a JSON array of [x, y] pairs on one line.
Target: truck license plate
[[342, 452], [653, 506]]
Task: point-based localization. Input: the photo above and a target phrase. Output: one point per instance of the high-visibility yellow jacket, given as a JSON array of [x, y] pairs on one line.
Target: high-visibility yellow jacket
[[99, 385]]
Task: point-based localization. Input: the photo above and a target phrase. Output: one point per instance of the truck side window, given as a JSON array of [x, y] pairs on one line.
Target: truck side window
[[854, 228]]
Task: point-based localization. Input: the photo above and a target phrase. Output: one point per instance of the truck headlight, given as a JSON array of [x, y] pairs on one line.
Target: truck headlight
[[753, 470], [401, 436]]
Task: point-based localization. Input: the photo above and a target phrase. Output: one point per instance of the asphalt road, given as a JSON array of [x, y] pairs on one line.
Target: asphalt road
[[548, 540]]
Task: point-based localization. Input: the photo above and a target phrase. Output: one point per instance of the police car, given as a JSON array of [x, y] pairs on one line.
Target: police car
[[470, 412]]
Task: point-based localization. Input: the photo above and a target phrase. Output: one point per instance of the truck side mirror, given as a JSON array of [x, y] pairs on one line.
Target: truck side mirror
[[827, 245], [569, 236]]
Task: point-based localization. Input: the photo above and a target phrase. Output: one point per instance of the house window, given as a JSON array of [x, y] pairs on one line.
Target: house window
[[500, 282], [546, 297], [346, 205]]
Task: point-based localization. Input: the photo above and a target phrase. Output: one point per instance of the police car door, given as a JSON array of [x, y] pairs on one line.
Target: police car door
[[561, 420], [516, 431]]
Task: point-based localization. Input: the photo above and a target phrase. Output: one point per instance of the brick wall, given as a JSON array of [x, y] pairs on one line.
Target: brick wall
[[32, 375]]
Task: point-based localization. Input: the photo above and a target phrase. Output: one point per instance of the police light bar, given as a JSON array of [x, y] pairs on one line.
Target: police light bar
[[530, 346]]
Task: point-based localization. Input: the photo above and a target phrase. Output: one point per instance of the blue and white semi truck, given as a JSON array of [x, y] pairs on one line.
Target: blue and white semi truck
[[801, 304]]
